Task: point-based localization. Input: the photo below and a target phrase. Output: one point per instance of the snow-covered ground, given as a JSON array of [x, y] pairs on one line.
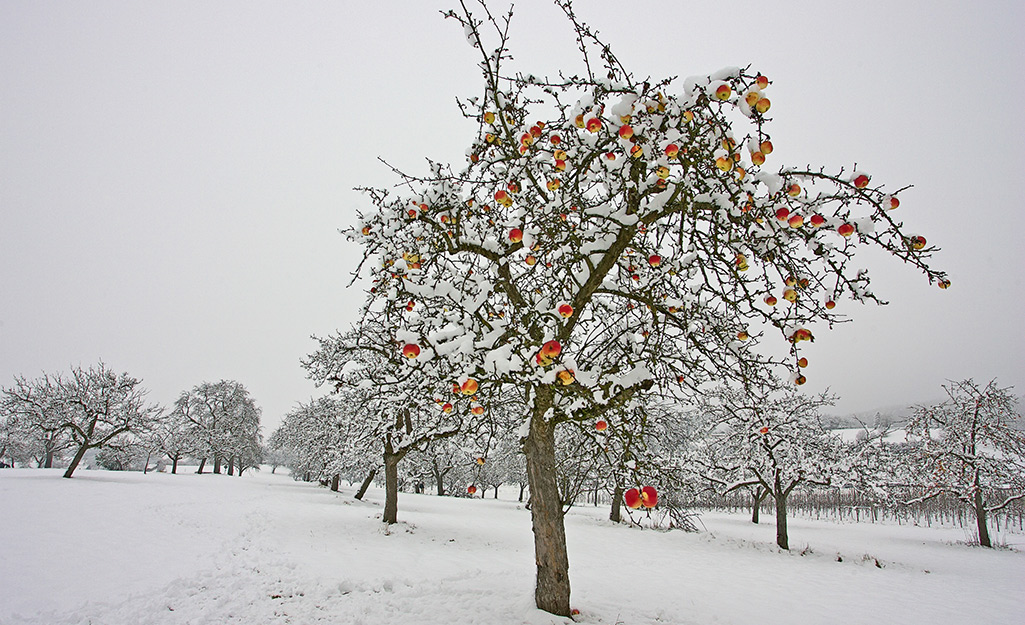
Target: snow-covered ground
[[126, 548]]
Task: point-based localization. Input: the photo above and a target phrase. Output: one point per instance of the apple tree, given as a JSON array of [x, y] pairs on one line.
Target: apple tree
[[969, 447], [391, 402], [610, 237], [768, 436], [92, 407]]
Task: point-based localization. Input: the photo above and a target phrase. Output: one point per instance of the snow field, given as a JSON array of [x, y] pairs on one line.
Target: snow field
[[124, 548]]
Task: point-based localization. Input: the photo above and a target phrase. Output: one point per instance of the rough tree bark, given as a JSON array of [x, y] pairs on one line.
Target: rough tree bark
[[781, 516], [334, 482], [202, 463], [616, 515], [366, 484], [552, 591], [756, 503], [980, 514], [74, 461], [391, 487]]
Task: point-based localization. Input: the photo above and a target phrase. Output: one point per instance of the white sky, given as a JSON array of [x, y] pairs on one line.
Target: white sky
[[173, 175]]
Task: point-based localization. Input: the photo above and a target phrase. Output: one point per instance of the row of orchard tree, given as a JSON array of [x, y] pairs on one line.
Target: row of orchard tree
[[54, 420], [611, 245], [767, 440]]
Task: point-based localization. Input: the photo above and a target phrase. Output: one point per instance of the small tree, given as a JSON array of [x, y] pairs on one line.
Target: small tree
[[969, 447], [769, 438]]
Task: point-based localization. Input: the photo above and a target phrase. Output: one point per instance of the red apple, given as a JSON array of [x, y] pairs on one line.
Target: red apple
[[530, 259], [794, 190], [565, 377], [765, 147], [471, 489], [515, 235], [757, 158], [846, 230], [555, 139], [763, 430], [411, 350], [817, 220], [796, 221], [723, 92], [514, 187], [802, 362], [626, 131], [752, 98], [762, 82], [892, 203], [861, 181], [526, 139], [469, 387], [782, 213], [560, 165], [566, 310], [649, 497], [762, 105], [770, 300], [799, 380], [477, 410], [917, 242], [480, 460], [723, 163], [366, 230], [593, 124], [446, 407], [489, 118], [944, 284], [672, 150], [632, 498], [601, 425], [654, 260], [790, 295], [830, 304], [636, 151]]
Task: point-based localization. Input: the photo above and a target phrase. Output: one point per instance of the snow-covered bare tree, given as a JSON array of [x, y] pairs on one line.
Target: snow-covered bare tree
[[608, 236], [768, 436], [969, 446], [93, 407], [224, 424], [32, 420]]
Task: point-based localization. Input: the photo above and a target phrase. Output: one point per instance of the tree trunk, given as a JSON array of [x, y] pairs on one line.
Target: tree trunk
[[980, 514], [74, 461], [202, 463], [496, 492], [756, 504], [615, 515], [334, 482], [551, 593], [523, 487], [439, 476], [174, 464], [273, 468], [391, 488], [231, 466], [217, 465], [145, 467], [48, 461], [781, 518], [366, 484]]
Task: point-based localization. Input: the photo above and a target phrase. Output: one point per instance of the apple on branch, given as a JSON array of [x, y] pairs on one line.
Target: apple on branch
[[411, 350]]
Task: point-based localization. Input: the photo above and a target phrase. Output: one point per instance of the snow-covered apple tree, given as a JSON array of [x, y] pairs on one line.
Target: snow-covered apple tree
[[608, 237], [968, 447], [93, 407], [767, 436], [224, 424], [398, 408]]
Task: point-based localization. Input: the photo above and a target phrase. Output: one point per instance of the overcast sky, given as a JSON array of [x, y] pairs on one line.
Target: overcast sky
[[173, 174]]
